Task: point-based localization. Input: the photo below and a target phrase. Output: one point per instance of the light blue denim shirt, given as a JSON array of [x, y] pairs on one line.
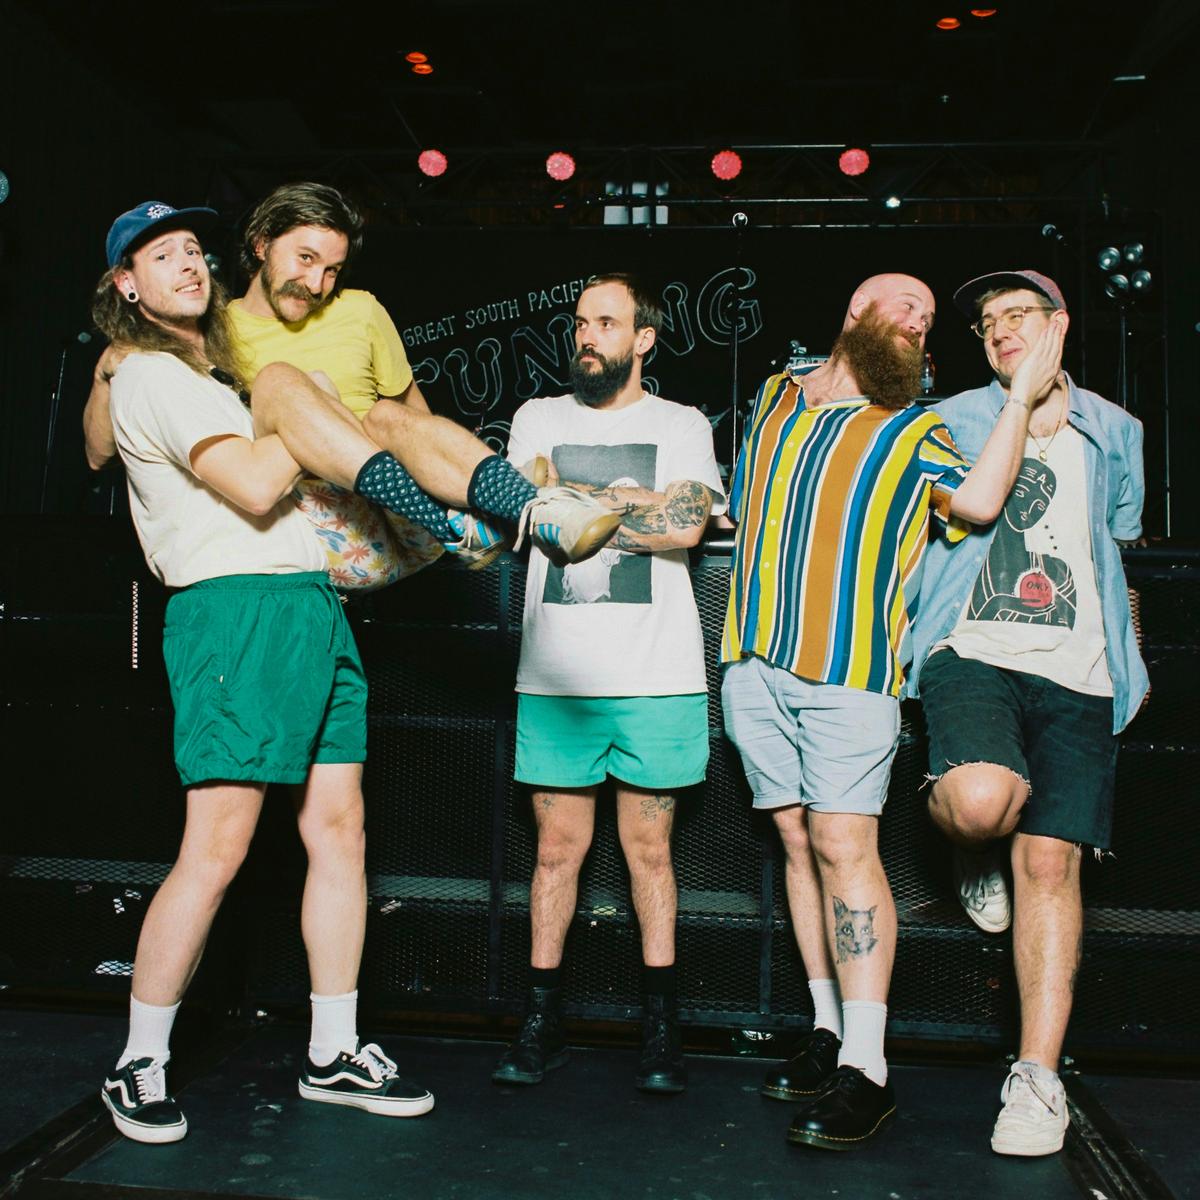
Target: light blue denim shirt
[[1116, 488]]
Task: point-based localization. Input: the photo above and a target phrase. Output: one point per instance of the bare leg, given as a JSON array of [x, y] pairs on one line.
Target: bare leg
[[220, 823], [565, 821], [976, 802], [440, 455], [333, 915], [803, 884], [1047, 941], [859, 912], [320, 433], [644, 821]]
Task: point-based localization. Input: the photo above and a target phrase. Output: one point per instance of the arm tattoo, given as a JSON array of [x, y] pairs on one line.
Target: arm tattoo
[[853, 930], [653, 805], [648, 519], [689, 505]]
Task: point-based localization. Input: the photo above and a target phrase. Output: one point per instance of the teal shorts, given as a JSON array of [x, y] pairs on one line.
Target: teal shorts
[[653, 742], [265, 678]]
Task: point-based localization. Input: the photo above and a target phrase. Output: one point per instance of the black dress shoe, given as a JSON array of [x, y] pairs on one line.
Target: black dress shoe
[[660, 1068], [851, 1110], [540, 1045], [805, 1074]]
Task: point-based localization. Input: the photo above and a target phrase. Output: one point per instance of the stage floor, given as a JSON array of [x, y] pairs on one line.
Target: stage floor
[[584, 1133]]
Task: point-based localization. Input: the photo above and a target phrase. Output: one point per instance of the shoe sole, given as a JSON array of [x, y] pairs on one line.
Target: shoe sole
[[478, 559], [150, 1135], [825, 1141], [380, 1105], [594, 536], [1025, 1151], [663, 1089], [524, 1077], [987, 926]]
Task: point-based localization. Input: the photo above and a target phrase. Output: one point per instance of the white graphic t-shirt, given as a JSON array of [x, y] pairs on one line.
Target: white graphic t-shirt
[[1035, 606], [618, 624]]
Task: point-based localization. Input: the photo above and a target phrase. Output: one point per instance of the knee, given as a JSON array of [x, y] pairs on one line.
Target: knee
[[559, 851], [384, 419], [841, 845], [274, 380], [336, 835], [213, 866], [978, 802], [648, 856], [793, 833], [1047, 864]]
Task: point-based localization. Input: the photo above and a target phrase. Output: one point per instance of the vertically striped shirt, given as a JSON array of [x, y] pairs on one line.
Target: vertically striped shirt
[[833, 506]]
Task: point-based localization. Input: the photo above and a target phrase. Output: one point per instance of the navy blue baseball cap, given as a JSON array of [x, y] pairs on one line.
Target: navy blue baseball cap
[[132, 226]]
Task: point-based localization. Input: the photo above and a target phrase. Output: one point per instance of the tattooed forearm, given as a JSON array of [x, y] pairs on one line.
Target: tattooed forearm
[[688, 504], [648, 519], [853, 931], [652, 806]]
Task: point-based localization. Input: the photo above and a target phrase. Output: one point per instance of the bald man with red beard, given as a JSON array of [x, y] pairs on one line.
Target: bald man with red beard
[[833, 495]]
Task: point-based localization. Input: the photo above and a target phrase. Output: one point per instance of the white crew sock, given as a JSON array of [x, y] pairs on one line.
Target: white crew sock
[[149, 1031], [334, 1027], [862, 1042], [827, 1005]]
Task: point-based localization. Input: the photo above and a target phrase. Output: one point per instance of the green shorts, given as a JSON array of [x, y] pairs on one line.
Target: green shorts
[[658, 742], [265, 677]]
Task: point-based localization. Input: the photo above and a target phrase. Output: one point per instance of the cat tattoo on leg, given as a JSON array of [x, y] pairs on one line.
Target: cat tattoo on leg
[[854, 930]]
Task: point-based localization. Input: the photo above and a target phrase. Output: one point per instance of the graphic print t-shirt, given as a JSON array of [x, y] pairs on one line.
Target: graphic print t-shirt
[[618, 624], [1035, 606]]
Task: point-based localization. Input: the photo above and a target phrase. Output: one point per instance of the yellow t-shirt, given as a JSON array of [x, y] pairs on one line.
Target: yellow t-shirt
[[351, 339]]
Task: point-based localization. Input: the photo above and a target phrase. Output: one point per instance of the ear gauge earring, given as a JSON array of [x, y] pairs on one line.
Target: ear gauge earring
[[131, 297]]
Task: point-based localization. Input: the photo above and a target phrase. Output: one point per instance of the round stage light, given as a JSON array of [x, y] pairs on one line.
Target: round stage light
[[1133, 253], [948, 23], [415, 56], [422, 69], [1117, 287], [892, 202], [983, 12], [560, 165], [1108, 258], [1140, 281], [3, 187], [853, 161], [432, 163], [726, 164]]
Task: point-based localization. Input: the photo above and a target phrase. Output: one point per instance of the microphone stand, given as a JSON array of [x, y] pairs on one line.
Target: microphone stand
[[739, 222]]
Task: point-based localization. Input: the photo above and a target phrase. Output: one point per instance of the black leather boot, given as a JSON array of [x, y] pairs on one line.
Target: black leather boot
[[540, 1045], [809, 1068], [661, 1066]]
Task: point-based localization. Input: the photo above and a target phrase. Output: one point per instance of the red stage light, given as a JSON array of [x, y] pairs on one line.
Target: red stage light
[[853, 161], [948, 23], [415, 56], [422, 69], [560, 166], [726, 164], [983, 12], [432, 163]]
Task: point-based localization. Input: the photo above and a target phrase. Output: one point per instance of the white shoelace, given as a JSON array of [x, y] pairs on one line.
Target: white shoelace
[[1029, 1100], [373, 1060], [151, 1082]]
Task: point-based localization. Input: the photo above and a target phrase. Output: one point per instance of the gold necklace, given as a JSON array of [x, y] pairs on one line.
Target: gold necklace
[[1044, 450]]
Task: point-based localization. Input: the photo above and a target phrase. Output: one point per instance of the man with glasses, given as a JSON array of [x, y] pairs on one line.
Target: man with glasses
[[1027, 665]]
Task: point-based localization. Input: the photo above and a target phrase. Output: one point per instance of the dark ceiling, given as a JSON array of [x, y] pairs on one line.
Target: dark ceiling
[[260, 76]]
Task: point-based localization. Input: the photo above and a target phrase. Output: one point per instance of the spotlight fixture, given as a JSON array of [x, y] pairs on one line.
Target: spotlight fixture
[[892, 202], [1108, 258], [422, 68], [948, 23], [560, 165], [1117, 286], [853, 161], [726, 165], [983, 13], [1133, 253], [3, 187], [415, 56], [432, 163], [1141, 281], [1125, 287]]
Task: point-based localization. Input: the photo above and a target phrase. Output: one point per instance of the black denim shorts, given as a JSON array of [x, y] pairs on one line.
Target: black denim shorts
[[1059, 741]]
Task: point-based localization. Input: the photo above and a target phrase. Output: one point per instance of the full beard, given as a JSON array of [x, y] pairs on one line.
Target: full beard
[[595, 387], [887, 373]]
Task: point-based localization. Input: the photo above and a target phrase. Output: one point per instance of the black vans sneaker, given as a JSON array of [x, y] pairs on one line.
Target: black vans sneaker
[[142, 1108], [365, 1080]]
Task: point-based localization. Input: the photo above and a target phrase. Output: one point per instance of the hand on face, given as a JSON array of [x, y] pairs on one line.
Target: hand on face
[[1041, 368]]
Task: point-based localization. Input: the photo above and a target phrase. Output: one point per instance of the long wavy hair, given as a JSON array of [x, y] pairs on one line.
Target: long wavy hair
[[123, 321]]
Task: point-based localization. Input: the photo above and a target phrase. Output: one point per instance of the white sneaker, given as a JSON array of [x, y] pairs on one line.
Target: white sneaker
[[982, 888], [566, 525], [1034, 1118], [479, 542]]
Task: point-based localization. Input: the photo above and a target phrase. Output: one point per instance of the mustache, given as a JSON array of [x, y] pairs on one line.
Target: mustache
[[296, 291]]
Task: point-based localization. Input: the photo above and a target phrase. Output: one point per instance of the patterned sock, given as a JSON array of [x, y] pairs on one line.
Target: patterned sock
[[827, 1005], [862, 1043], [334, 1027], [383, 480], [149, 1031], [498, 488]]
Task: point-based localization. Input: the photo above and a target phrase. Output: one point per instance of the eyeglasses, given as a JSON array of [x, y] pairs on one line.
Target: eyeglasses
[[1010, 318]]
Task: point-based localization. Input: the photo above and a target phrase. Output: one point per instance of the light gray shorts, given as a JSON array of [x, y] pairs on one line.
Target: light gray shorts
[[827, 747]]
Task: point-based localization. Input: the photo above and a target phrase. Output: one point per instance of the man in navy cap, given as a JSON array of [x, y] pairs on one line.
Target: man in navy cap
[[1027, 666]]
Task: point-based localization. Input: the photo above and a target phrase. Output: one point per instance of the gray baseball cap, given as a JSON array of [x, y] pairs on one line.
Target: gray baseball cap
[[967, 296]]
